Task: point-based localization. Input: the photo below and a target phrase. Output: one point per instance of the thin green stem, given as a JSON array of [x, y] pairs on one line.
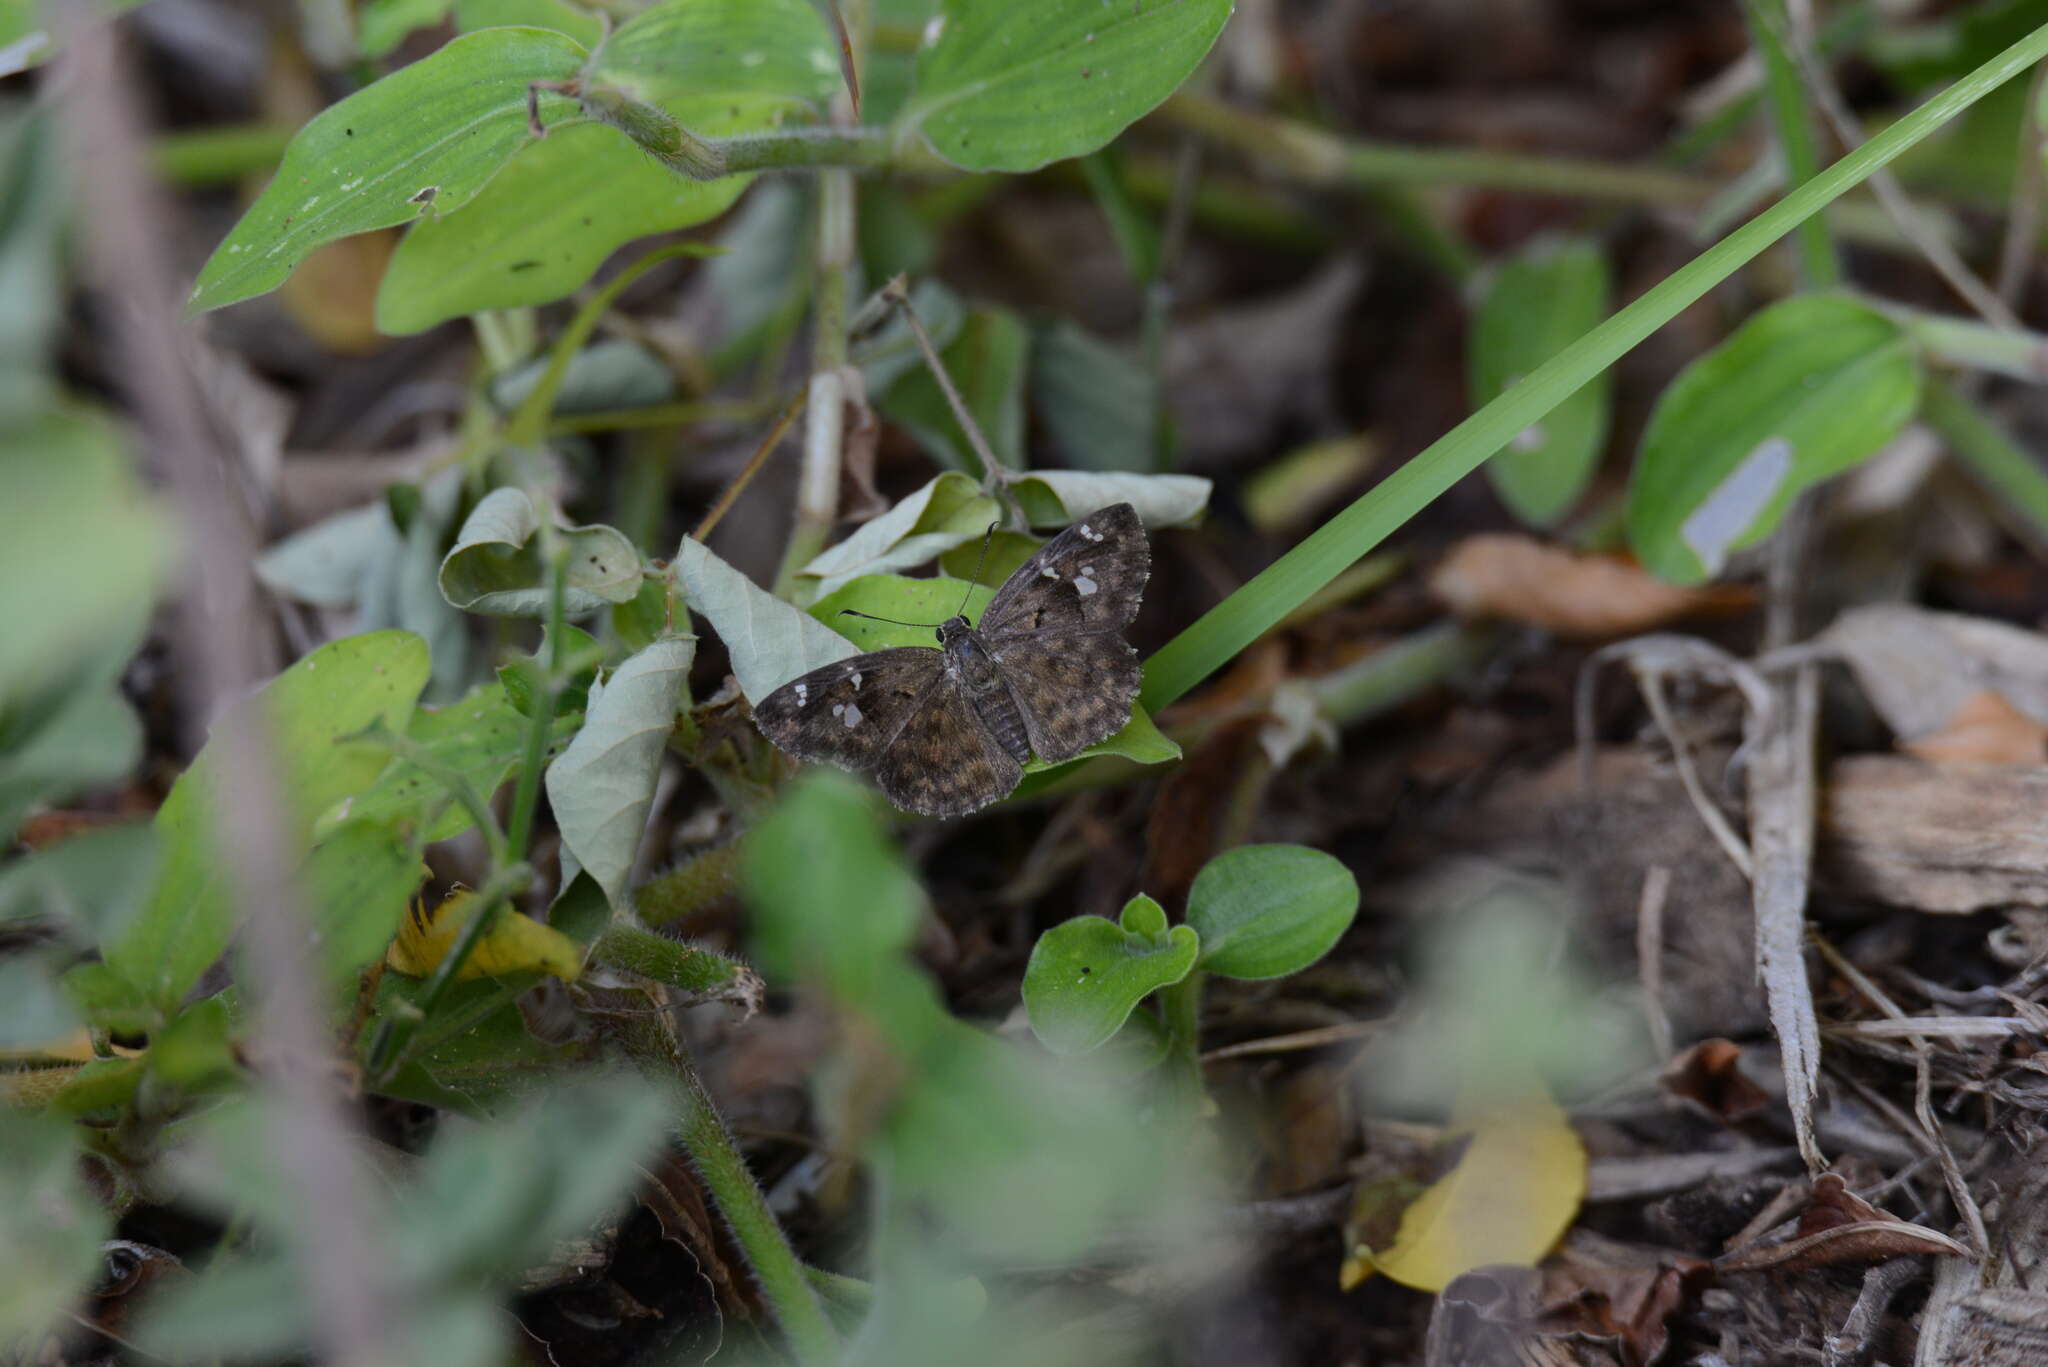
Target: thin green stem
[[1308, 153], [220, 154], [1794, 127], [1972, 344], [2009, 473], [661, 415], [1237, 621], [526, 795], [1180, 1009]]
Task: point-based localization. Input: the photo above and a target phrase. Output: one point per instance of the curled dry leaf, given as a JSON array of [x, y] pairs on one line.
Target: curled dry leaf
[[1521, 579], [1986, 729], [1709, 1076], [513, 944], [1838, 1226]]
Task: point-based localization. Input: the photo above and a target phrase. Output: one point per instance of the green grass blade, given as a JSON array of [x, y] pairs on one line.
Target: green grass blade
[[1239, 619]]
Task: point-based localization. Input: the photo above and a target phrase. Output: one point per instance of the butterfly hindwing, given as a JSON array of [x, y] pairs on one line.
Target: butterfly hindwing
[[848, 712], [1072, 690], [1089, 578], [945, 761]]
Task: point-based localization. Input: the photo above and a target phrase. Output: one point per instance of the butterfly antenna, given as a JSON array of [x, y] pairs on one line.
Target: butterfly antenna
[[979, 561], [849, 612]]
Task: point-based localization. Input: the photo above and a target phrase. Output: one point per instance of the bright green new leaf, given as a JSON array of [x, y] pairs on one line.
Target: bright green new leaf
[[1010, 87], [769, 641], [1534, 307], [337, 691], [50, 1234], [1264, 911], [1802, 391], [423, 140], [1087, 975], [498, 564], [986, 360], [907, 600], [1100, 405], [603, 785], [948, 511], [1053, 498]]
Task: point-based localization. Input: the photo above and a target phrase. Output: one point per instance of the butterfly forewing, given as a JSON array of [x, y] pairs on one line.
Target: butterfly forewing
[[1088, 578], [945, 762], [848, 712]]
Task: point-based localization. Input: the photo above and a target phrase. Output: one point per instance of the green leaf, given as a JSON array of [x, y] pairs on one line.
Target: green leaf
[[94, 738], [109, 1001], [766, 261], [986, 360], [480, 738], [1534, 307], [1087, 975], [33, 1012], [1264, 911], [497, 565], [481, 1057], [891, 351], [907, 600], [579, 23], [357, 885], [1802, 391], [194, 1050], [1054, 498], [948, 511], [1100, 406], [603, 785], [92, 884], [424, 140], [769, 641], [337, 691], [32, 208], [615, 373], [832, 902], [50, 1234], [1010, 87], [383, 24], [525, 678], [1140, 741], [103, 1087], [81, 550], [326, 564]]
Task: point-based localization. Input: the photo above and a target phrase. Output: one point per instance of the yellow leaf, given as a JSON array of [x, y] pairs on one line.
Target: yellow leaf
[[1511, 1196], [512, 944]]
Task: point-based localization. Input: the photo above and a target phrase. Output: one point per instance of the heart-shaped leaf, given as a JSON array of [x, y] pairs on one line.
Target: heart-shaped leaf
[[497, 565], [1087, 975]]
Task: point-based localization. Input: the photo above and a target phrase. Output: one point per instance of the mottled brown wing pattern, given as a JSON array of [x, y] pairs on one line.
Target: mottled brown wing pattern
[[1089, 578], [848, 712], [1071, 690], [945, 762]]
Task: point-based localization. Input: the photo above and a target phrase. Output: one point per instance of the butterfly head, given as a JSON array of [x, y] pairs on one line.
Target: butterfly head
[[951, 630]]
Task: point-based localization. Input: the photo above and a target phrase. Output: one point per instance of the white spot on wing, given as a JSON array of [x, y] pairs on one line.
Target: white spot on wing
[[1049, 572], [1090, 533], [856, 681], [1083, 585], [1724, 516], [852, 715], [803, 694]]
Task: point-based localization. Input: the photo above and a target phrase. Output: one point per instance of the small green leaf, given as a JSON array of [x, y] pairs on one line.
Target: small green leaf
[[602, 786], [1534, 307], [769, 641], [50, 1233], [325, 564], [946, 512], [1053, 498], [357, 885], [422, 141], [1264, 911], [338, 691], [1010, 87], [193, 1050], [1087, 975], [497, 565], [526, 677], [1099, 404], [919, 601], [986, 360], [109, 1001], [1802, 391]]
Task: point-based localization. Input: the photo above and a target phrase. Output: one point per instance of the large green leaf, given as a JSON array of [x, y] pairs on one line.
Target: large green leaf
[[603, 785], [335, 692], [422, 141], [357, 884], [1534, 307], [565, 203], [1010, 87], [1802, 391], [769, 641], [923, 602]]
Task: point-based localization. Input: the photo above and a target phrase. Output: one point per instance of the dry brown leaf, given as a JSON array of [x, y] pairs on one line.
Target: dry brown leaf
[[1521, 579], [1709, 1076], [1838, 1226], [1986, 729]]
